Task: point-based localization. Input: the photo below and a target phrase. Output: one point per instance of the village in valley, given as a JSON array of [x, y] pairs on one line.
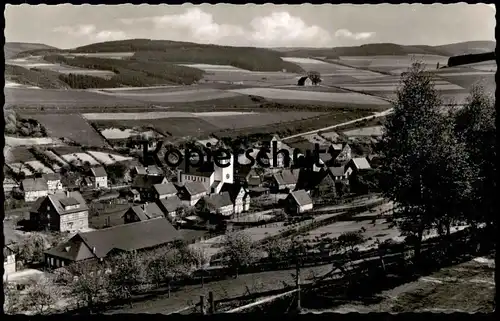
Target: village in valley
[[292, 185]]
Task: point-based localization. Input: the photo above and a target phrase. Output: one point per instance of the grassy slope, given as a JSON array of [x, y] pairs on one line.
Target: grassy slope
[[34, 77], [11, 49]]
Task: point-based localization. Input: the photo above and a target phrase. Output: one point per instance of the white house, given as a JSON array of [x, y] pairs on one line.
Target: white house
[[357, 164], [299, 202], [53, 182], [218, 204], [9, 261], [100, 177], [239, 197], [34, 188]]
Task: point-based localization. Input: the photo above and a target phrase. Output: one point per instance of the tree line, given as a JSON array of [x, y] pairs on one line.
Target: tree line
[[439, 165]]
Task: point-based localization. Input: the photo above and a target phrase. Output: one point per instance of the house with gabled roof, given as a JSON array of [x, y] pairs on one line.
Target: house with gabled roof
[[217, 204], [357, 164], [53, 182], [142, 212], [99, 177], [144, 184], [191, 192], [285, 180], [239, 196], [171, 206], [101, 244], [62, 211], [164, 190], [298, 202], [34, 188]]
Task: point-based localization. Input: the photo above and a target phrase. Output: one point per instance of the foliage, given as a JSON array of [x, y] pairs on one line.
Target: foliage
[[32, 249], [475, 126], [116, 171], [128, 275], [315, 77], [239, 250], [89, 282], [410, 151], [34, 77], [364, 182], [13, 299], [277, 249]]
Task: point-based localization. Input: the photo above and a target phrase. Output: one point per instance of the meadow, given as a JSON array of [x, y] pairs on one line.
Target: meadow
[[179, 96], [72, 126], [107, 158], [80, 158]]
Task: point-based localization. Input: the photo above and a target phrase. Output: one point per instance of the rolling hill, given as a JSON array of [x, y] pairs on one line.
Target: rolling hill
[[11, 49], [383, 49]]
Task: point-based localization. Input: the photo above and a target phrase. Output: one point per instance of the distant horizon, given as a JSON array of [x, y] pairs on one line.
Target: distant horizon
[[278, 47], [260, 26]]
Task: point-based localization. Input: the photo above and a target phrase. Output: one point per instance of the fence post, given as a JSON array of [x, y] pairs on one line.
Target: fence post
[[211, 302], [297, 281], [202, 305]]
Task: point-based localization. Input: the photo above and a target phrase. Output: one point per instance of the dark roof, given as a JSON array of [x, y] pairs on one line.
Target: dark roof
[[216, 201], [147, 211], [52, 177], [146, 181], [194, 188], [72, 198], [34, 184], [337, 171], [38, 203], [7, 250], [301, 197], [287, 177], [126, 237], [98, 171], [165, 189], [302, 81], [69, 201], [170, 204], [232, 189]]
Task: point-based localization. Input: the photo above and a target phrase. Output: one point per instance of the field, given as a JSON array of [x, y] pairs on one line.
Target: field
[[316, 139], [159, 114], [257, 119], [212, 68], [39, 63], [30, 141], [339, 98], [179, 96], [108, 55], [37, 165], [54, 99], [106, 158], [19, 167], [72, 126], [80, 158], [115, 133], [332, 136], [365, 131], [17, 154]]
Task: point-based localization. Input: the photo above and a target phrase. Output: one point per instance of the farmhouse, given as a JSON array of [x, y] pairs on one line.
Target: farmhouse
[[164, 190], [60, 212], [239, 197], [171, 206], [304, 81], [338, 173], [99, 177], [285, 180], [9, 261], [216, 204], [53, 182], [34, 188], [298, 202], [100, 244], [144, 184], [142, 212], [344, 153], [356, 165], [192, 192]]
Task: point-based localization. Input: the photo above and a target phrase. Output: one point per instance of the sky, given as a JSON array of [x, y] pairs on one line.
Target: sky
[[68, 26]]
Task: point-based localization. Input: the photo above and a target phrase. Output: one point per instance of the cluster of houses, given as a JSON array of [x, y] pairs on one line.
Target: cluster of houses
[[215, 191]]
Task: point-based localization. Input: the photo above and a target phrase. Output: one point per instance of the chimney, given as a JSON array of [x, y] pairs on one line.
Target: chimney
[[93, 250], [67, 193]]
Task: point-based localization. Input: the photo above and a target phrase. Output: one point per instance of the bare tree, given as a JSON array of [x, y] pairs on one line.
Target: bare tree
[[41, 296], [277, 249]]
